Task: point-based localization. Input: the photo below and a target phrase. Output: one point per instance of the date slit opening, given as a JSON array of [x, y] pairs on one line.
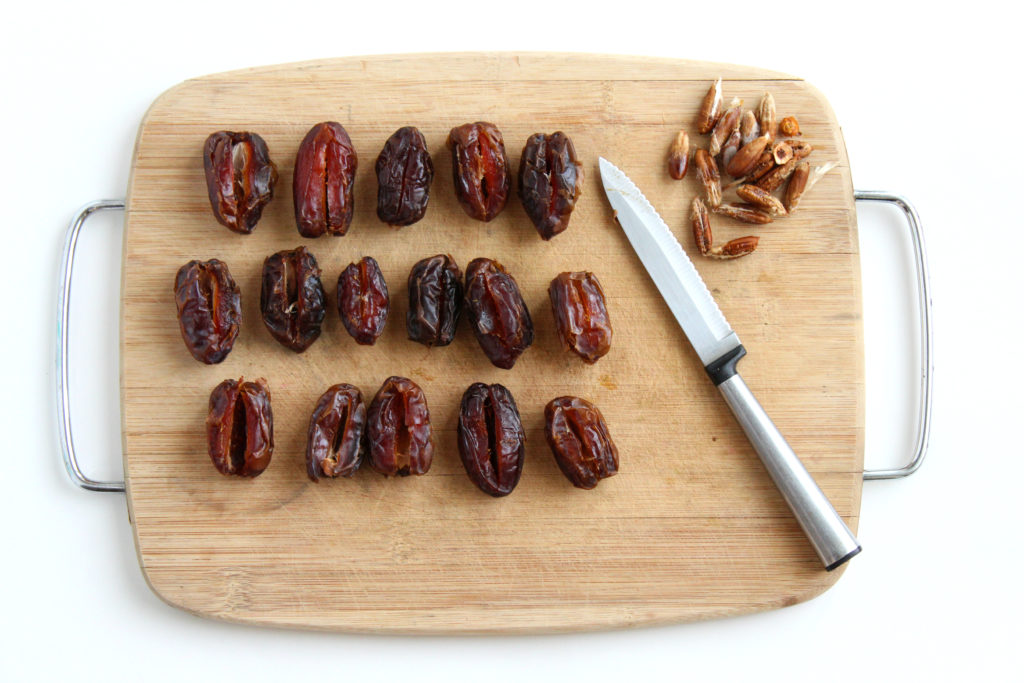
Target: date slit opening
[[291, 292], [492, 436], [339, 433], [402, 440], [206, 293], [574, 429], [239, 162], [238, 435]]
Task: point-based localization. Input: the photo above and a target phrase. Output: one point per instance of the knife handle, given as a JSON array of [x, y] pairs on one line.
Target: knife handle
[[831, 538]]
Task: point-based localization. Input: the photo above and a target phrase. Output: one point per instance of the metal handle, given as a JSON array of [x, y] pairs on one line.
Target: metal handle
[[67, 443], [924, 423], [831, 538]]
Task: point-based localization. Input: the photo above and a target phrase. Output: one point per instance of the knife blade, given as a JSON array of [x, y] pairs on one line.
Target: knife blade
[[719, 349]]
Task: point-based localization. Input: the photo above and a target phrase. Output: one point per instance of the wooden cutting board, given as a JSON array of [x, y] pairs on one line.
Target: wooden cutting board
[[691, 527]]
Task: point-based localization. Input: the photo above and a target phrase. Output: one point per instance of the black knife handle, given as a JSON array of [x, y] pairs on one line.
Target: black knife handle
[[724, 367]]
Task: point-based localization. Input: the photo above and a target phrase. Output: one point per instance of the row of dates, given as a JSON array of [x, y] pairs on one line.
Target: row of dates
[[240, 178], [293, 306], [394, 436]]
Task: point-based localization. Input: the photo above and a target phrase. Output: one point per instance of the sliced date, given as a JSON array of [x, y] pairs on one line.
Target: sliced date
[[398, 429], [501, 320], [240, 427], [334, 447], [325, 169], [292, 298], [579, 438], [435, 300], [363, 300], [480, 169], [209, 309], [240, 178], [550, 181], [404, 174], [581, 315], [492, 442]]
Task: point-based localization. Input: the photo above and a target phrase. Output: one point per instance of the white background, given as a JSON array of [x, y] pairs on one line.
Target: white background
[[930, 106]]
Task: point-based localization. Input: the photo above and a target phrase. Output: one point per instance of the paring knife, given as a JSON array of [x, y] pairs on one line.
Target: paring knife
[[719, 349]]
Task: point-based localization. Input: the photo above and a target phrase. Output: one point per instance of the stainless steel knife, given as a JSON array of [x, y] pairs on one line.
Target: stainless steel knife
[[719, 349]]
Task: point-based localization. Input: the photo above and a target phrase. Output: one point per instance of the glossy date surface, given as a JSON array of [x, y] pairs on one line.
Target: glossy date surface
[[363, 300], [550, 181], [579, 439], [491, 438], [398, 429], [334, 445], [581, 315], [435, 300], [322, 187], [501, 320], [292, 298], [240, 427], [209, 309], [404, 174], [240, 178], [480, 169]]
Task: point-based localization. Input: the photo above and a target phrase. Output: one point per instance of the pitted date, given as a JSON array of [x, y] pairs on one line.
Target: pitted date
[[491, 438], [209, 309], [550, 181], [334, 447], [581, 316], [292, 298], [325, 171], [579, 439], [240, 178], [363, 300], [501, 320], [480, 169], [240, 427], [398, 429], [404, 173], [435, 300]]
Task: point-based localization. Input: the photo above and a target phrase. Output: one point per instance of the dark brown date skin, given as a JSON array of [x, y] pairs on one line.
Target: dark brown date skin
[[480, 169], [578, 436], [209, 309], [492, 442], [292, 298], [363, 300], [240, 178], [501, 320], [435, 300], [240, 427], [325, 172], [550, 181], [581, 316], [404, 173], [334, 447], [398, 429]]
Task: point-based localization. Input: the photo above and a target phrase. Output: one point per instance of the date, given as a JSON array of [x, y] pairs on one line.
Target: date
[[679, 155], [325, 171], [435, 300], [292, 298], [708, 175], [581, 315], [579, 438], [492, 442], [398, 429], [209, 309], [363, 301], [240, 178], [334, 447], [550, 181], [480, 169], [501, 320], [404, 174], [240, 427]]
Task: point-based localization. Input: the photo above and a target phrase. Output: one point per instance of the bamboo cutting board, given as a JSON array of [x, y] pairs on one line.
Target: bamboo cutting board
[[690, 528]]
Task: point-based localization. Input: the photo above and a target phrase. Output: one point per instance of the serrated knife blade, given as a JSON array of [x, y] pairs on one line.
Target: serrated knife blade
[[719, 349]]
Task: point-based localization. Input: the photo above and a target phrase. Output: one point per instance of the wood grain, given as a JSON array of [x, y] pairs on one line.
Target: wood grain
[[691, 528]]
